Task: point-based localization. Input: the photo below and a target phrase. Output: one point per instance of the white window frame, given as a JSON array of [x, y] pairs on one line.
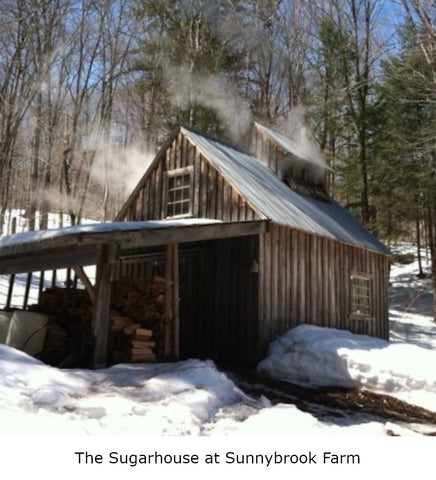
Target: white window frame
[[186, 192], [360, 295]]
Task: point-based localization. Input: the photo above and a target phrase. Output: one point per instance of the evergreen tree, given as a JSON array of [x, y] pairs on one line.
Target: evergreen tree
[[188, 64], [409, 95]]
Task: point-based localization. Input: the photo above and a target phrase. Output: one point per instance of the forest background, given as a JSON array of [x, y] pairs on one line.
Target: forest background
[[89, 89]]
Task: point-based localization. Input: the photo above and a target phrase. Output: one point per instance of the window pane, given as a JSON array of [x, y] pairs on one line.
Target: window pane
[[360, 295], [178, 195]]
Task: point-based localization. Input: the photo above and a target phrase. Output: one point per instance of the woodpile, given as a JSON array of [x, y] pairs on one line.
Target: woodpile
[[70, 313], [142, 346], [136, 319], [129, 341], [143, 301]]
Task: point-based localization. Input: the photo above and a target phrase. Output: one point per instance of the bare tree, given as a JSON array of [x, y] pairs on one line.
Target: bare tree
[[17, 88], [46, 21]]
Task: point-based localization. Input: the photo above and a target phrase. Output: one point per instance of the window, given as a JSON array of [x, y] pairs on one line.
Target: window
[[179, 193], [360, 295]]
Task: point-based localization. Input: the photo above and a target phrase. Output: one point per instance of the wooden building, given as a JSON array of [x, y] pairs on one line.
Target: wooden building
[[249, 245], [311, 262]]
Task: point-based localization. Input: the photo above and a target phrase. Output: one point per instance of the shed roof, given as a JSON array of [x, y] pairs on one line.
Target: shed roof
[[276, 201], [78, 245]]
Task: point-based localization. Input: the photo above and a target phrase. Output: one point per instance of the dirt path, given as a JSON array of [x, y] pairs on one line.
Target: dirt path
[[333, 399]]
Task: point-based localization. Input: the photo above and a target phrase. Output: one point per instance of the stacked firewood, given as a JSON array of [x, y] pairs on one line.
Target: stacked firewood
[[143, 301], [142, 346], [136, 319], [70, 315], [129, 341]]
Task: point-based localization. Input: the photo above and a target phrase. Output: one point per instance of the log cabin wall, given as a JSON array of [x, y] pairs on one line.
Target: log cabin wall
[[212, 196], [306, 279]]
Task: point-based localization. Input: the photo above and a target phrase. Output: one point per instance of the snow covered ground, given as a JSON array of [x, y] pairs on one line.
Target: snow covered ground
[[193, 398]]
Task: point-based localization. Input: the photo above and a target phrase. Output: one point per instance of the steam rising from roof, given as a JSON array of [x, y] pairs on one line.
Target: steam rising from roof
[[295, 127]]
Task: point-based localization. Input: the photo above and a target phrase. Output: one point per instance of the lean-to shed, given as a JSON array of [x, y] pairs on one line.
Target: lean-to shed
[[314, 264]]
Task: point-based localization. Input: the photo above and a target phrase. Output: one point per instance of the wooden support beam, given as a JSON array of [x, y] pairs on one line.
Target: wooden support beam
[[81, 274], [152, 236], [168, 302], [41, 284], [192, 233], [172, 318], [27, 290], [10, 290], [68, 281], [101, 318], [176, 319], [49, 260]]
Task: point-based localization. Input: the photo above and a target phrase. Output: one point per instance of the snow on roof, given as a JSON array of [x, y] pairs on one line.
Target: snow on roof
[[279, 203], [39, 235]]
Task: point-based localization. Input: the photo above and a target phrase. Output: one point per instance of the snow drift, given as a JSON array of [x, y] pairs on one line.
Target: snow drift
[[329, 357], [140, 399]]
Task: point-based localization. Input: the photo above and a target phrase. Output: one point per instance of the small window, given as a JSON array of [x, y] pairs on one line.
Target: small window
[[178, 193], [360, 295]]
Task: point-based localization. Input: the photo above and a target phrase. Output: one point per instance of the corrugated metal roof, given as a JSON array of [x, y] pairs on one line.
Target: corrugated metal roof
[[279, 203]]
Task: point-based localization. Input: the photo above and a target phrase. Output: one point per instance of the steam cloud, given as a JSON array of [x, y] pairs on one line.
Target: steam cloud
[[210, 91], [120, 167], [295, 127]]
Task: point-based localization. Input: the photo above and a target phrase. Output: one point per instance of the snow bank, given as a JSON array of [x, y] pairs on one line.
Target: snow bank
[[185, 398], [329, 357], [143, 399], [285, 420]]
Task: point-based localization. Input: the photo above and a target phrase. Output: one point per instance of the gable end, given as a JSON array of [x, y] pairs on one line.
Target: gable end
[[211, 194]]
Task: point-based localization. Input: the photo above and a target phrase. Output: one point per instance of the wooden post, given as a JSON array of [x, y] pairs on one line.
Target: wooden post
[[172, 320], [168, 300], [81, 274], [102, 299], [176, 319], [68, 278], [10, 289], [26, 292], [41, 284]]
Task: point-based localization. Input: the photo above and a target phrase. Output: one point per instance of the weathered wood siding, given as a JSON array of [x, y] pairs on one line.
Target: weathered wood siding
[[266, 150], [306, 279], [218, 302], [218, 297], [230, 312], [212, 195]]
